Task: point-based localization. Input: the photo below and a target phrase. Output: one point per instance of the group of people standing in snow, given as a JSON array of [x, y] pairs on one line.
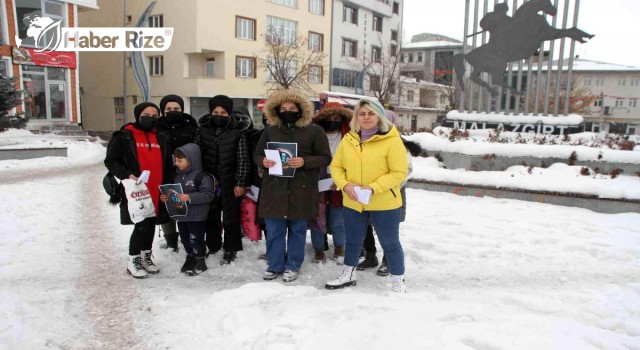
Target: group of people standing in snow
[[217, 158]]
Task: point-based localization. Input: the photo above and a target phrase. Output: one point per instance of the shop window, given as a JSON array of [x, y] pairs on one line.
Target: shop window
[[45, 92], [34, 11]]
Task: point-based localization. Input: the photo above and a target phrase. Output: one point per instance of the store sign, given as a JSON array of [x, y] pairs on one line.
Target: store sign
[[533, 128], [29, 56]]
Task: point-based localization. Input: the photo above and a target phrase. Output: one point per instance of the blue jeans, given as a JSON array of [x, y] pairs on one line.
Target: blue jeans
[[192, 236], [387, 226], [280, 244], [335, 224]]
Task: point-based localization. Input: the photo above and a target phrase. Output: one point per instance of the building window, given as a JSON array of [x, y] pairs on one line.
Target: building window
[[349, 48], [377, 23], [4, 70], [156, 21], [394, 35], [344, 77], [402, 57], [45, 92], [290, 66], [622, 81], [410, 57], [118, 105], [586, 81], [619, 102], [27, 10], [209, 65], [419, 57], [599, 81], [156, 65], [633, 103], [631, 129], [635, 81], [288, 3], [282, 29], [376, 54], [316, 6], [374, 83], [245, 28], [410, 95], [316, 41], [315, 74], [350, 14], [245, 67], [598, 103], [393, 50], [396, 8]]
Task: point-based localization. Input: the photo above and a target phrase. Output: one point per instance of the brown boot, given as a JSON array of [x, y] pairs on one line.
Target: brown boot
[[319, 256], [338, 255]]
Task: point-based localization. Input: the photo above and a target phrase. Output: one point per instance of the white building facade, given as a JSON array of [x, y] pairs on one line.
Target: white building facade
[[362, 31]]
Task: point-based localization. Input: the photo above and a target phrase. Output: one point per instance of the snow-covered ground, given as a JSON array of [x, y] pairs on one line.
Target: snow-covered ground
[[482, 273]]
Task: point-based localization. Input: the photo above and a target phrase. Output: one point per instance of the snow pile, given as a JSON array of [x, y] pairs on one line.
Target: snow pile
[[558, 177], [478, 144], [79, 152]]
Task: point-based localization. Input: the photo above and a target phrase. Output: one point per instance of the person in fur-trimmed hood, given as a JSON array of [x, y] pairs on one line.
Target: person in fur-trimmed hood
[[334, 118], [288, 202]]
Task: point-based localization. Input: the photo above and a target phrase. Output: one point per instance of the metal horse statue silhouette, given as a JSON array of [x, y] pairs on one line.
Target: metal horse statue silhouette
[[511, 39]]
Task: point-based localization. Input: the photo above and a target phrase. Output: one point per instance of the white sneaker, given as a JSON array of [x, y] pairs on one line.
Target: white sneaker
[[290, 276], [147, 262], [346, 279], [134, 267], [269, 275], [397, 284]]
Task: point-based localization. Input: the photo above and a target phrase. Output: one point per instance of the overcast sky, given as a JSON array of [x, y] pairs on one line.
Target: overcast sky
[[616, 24]]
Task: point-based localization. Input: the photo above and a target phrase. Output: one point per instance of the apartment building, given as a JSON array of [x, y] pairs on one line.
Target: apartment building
[[49, 79], [364, 31], [617, 87], [214, 51], [420, 103], [429, 57]]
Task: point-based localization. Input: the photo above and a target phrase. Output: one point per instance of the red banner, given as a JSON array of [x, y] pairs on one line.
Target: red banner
[[24, 55]]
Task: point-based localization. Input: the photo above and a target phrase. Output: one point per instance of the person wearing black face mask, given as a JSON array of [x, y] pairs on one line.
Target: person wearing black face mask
[[286, 203], [136, 147], [181, 129], [225, 155], [334, 119]]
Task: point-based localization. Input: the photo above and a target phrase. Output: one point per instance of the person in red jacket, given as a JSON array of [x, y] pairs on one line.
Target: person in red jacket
[[132, 149]]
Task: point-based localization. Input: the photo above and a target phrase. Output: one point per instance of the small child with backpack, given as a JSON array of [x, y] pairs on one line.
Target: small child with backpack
[[198, 188]]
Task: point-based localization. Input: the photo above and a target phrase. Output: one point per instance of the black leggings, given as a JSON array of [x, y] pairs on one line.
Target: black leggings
[[142, 236]]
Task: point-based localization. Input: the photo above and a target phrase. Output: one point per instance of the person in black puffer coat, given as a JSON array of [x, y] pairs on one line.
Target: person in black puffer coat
[[225, 156], [180, 129]]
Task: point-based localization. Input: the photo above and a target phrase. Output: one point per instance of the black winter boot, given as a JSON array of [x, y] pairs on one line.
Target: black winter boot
[[201, 265], [228, 257], [383, 270], [189, 264], [172, 241], [370, 260]]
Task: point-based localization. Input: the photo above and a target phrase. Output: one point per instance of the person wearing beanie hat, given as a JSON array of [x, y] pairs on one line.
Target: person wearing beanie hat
[[221, 101], [369, 167], [181, 129], [286, 203], [225, 155], [136, 147], [334, 119], [171, 103]]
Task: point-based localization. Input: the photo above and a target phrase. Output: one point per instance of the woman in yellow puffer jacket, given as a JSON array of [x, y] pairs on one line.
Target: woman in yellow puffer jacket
[[371, 159]]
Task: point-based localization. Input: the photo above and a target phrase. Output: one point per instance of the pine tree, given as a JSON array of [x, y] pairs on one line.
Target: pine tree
[[9, 98]]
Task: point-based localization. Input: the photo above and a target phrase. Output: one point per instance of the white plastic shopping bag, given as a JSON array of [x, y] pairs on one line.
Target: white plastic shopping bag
[[139, 201]]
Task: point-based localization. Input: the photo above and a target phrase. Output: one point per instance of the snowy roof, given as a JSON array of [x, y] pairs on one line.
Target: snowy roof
[[432, 44], [582, 65], [572, 119]]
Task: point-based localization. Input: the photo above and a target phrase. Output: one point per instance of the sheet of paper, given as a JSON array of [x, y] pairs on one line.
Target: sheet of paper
[[253, 193], [325, 185], [144, 177], [363, 194], [274, 155]]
